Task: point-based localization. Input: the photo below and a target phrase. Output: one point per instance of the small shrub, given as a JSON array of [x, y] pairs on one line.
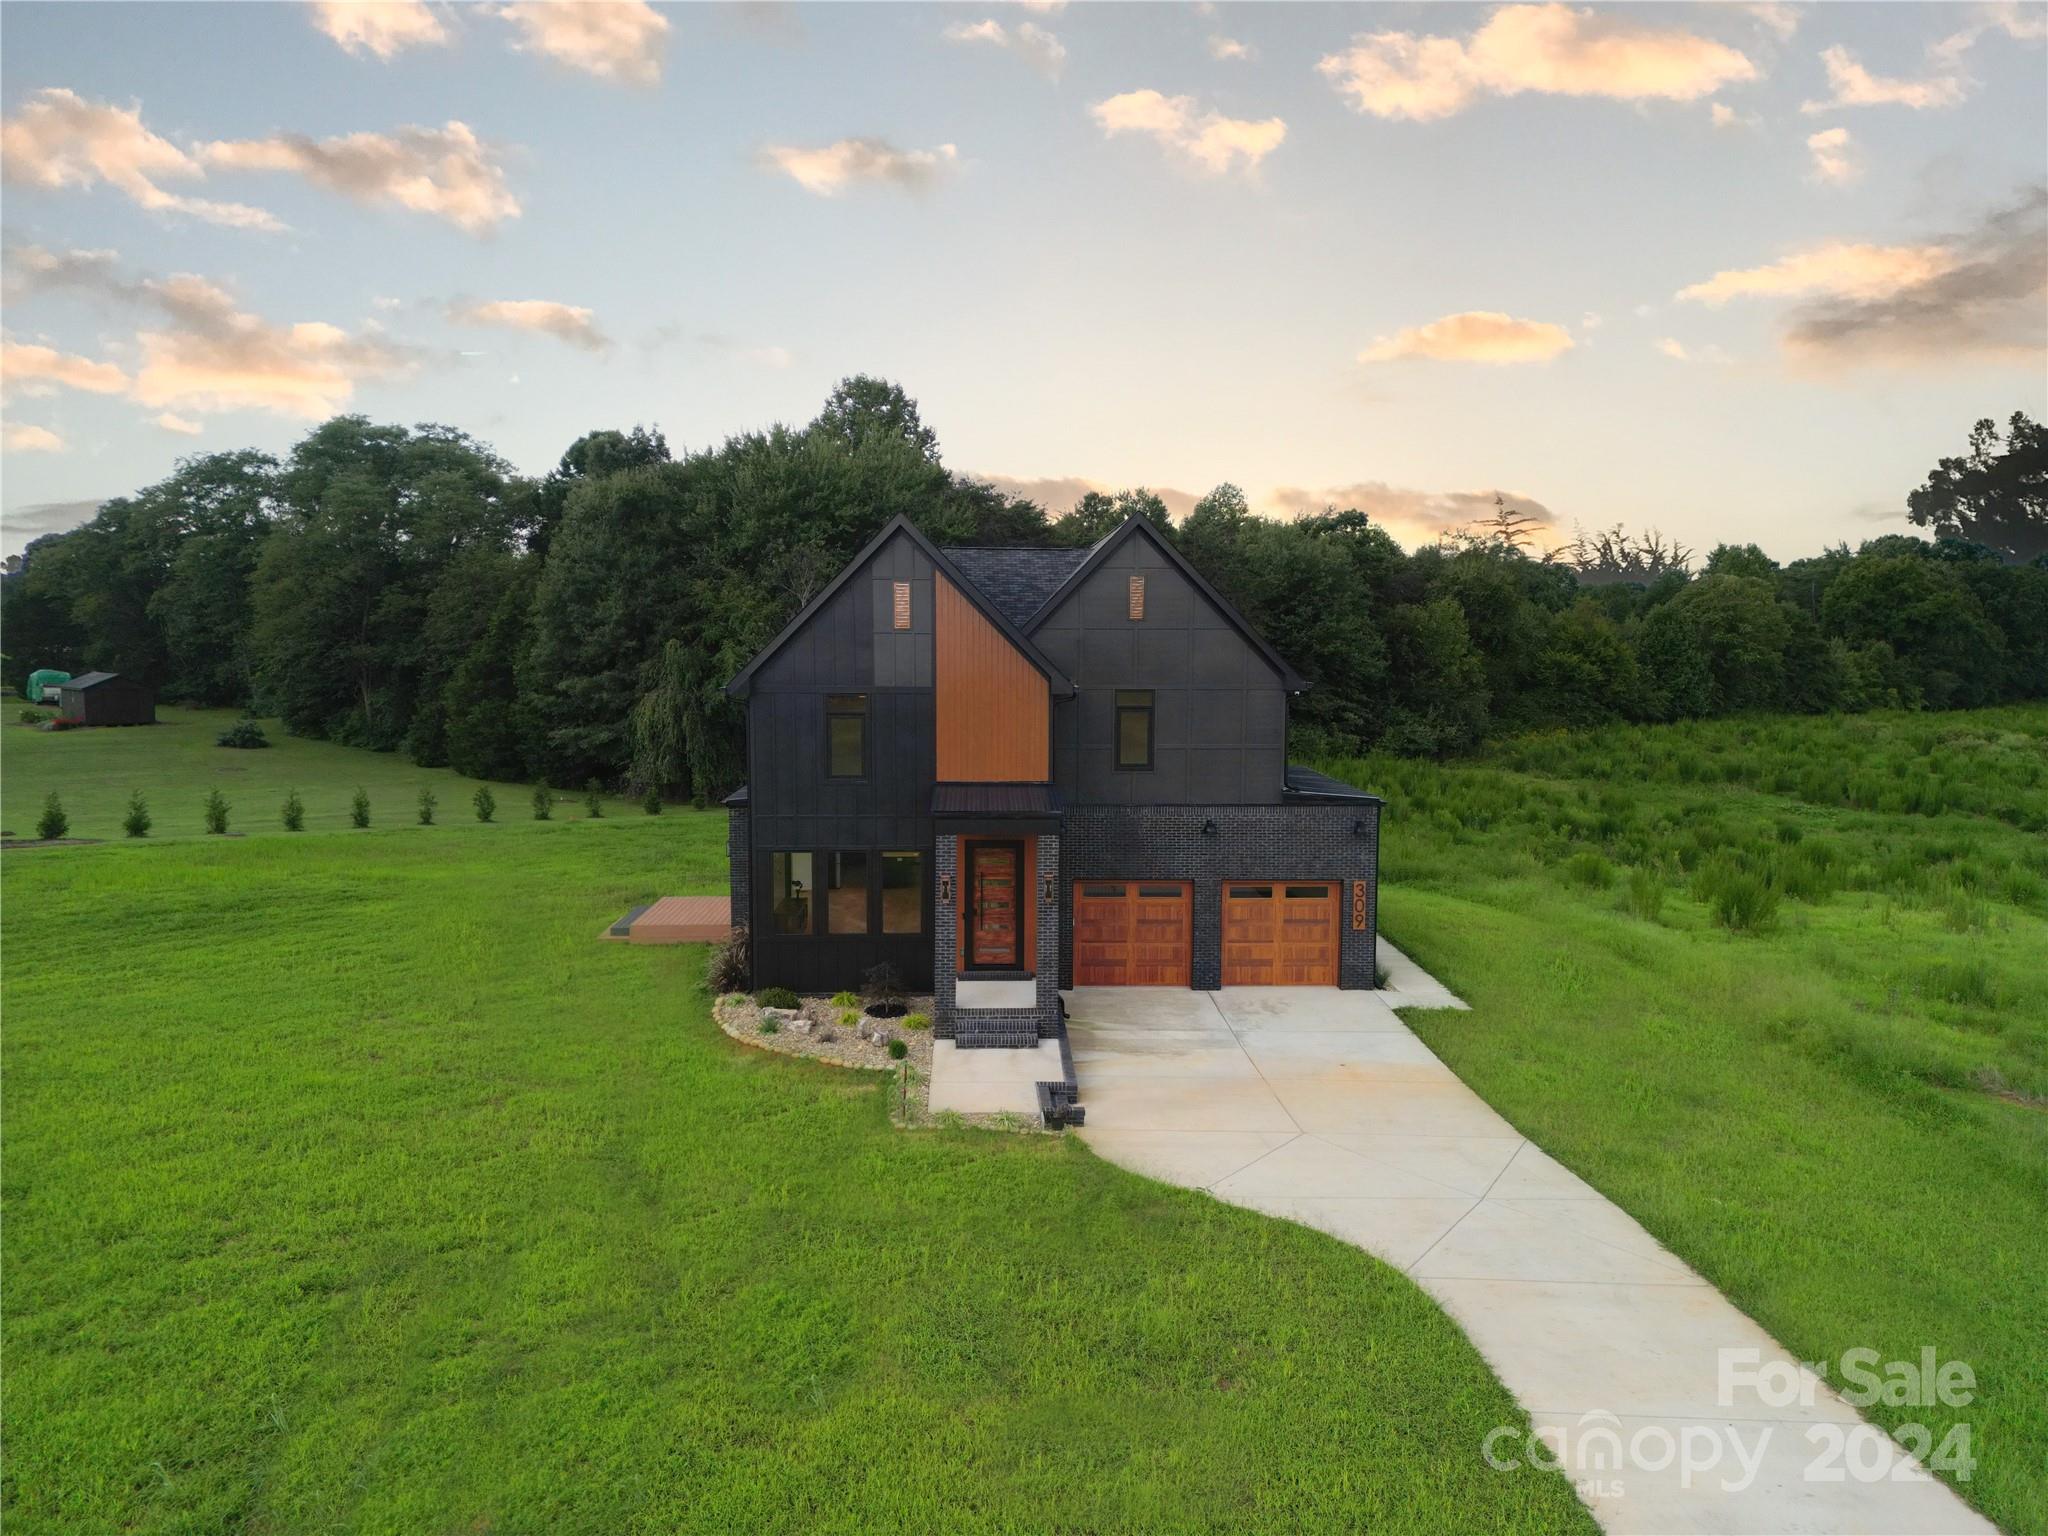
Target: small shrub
[[294, 813], [882, 987], [216, 812], [1588, 869], [651, 801], [898, 1050], [845, 1000], [1740, 901], [485, 802], [53, 823], [137, 823], [428, 800], [543, 803], [770, 1026], [776, 997], [917, 1021], [593, 800], [245, 734], [1644, 897], [31, 717], [849, 1018], [1379, 975], [728, 969], [359, 808]]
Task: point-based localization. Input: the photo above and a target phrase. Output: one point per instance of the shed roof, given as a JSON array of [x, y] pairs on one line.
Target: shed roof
[[92, 679], [965, 799], [1305, 784]]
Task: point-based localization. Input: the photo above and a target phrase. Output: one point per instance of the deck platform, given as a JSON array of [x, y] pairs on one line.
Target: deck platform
[[676, 920]]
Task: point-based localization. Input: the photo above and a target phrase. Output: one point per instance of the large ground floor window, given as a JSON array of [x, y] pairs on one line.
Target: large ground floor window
[[866, 890]]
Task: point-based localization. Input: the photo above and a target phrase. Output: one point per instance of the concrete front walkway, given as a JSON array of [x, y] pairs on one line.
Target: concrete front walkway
[[1322, 1107]]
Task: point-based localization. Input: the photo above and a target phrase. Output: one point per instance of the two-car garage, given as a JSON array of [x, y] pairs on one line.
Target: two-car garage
[[1130, 933]]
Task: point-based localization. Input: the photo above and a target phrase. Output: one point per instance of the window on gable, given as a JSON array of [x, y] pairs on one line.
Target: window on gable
[[846, 735], [1137, 597], [900, 608], [1134, 728]]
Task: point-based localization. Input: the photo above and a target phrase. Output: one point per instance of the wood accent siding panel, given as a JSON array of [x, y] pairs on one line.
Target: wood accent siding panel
[[994, 709]]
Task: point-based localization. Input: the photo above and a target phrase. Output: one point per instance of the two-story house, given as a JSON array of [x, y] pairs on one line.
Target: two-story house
[[1010, 771]]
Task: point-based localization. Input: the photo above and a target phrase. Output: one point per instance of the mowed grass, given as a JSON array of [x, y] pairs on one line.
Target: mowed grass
[[351, 1184], [1841, 1117], [175, 762]]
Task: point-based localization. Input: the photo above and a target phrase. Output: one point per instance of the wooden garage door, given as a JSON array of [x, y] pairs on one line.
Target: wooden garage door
[[1279, 934], [1132, 933]]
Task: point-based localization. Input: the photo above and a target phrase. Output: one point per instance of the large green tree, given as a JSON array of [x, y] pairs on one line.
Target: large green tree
[[1995, 495]]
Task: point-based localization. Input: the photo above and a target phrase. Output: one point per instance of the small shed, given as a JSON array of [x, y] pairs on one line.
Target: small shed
[[43, 685], [107, 698]]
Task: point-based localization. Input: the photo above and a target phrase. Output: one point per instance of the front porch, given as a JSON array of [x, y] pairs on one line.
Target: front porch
[[996, 930]]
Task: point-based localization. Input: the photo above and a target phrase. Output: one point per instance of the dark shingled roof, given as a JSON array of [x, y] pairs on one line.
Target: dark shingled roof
[[995, 800], [737, 797], [1307, 784], [89, 680], [1017, 581]]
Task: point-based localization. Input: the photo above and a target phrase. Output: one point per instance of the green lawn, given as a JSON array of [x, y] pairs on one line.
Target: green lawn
[[1842, 1121], [175, 763], [351, 1184]]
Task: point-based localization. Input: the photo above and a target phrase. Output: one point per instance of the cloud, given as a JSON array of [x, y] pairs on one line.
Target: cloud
[[382, 27], [1421, 515], [1988, 302], [1855, 86], [1551, 49], [1224, 49], [1977, 295], [1037, 47], [1778, 19], [178, 424], [1674, 349], [1724, 116], [24, 525], [1832, 161], [201, 354], [59, 139], [36, 370], [20, 437], [612, 39], [831, 168], [565, 322], [1209, 141], [2024, 24], [1836, 269], [447, 172], [1476, 336]]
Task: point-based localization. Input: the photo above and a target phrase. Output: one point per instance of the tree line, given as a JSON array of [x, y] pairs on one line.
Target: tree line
[[405, 590]]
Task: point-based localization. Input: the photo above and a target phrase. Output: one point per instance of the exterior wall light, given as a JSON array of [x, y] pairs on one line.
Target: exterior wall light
[[945, 887], [1358, 828], [1209, 828], [1045, 891]]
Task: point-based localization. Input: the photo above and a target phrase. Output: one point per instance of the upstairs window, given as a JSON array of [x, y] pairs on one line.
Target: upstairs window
[[1134, 728], [846, 735]]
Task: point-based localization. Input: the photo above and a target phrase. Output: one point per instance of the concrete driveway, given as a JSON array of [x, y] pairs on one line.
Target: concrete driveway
[[1323, 1108]]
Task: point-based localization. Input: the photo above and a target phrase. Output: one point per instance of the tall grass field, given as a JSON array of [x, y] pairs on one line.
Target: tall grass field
[[351, 1184]]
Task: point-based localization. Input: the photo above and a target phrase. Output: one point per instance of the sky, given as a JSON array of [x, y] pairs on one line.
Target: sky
[[1738, 272]]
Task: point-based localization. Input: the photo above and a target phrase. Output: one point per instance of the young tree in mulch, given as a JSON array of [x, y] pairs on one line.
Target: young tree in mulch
[[294, 813], [216, 812], [136, 823], [53, 823], [359, 808], [593, 800], [543, 802], [651, 801], [428, 800], [485, 802]]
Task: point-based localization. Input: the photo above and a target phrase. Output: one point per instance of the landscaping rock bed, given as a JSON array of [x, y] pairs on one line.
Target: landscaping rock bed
[[817, 1028]]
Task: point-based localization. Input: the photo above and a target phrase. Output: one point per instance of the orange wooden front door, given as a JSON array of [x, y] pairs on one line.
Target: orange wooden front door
[[1277, 934], [994, 875], [1132, 933]]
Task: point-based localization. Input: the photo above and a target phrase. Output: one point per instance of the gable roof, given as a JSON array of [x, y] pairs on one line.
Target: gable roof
[[1135, 526], [1018, 581], [743, 680]]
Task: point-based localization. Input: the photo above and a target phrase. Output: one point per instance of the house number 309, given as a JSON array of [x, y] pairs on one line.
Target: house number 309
[[1358, 906]]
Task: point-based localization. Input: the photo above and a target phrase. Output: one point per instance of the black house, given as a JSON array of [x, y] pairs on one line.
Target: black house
[[107, 698], [1009, 771]]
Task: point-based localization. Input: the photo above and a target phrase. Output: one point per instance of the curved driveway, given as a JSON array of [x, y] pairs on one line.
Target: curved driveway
[[1322, 1107]]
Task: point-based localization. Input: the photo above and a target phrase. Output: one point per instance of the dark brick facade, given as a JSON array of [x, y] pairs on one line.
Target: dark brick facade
[[1251, 842], [1017, 1028]]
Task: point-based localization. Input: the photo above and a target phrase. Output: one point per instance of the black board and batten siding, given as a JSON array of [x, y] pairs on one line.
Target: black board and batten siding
[[1220, 709], [851, 645]]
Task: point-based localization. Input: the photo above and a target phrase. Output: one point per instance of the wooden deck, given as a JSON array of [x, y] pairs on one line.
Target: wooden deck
[[676, 920]]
